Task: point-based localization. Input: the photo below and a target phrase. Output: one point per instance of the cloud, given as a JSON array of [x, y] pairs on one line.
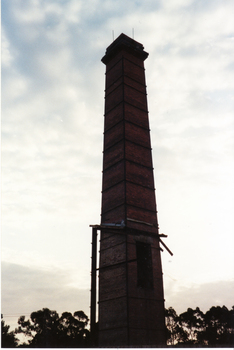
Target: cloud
[[46, 118], [6, 55], [203, 295], [26, 289], [28, 11]]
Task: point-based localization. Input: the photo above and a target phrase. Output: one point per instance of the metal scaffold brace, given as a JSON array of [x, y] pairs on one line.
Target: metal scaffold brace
[[115, 229]]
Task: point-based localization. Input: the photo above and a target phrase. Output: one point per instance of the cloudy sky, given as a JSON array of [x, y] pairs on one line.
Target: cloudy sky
[[52, 133]]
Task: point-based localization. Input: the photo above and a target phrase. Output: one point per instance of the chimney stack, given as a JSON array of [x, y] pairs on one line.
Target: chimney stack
[[131, 301]]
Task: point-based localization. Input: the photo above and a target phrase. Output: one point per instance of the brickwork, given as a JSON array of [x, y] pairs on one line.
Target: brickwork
[[130, 314]]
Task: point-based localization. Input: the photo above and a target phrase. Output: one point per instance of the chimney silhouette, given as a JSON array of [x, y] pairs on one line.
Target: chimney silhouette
[[131, 301]]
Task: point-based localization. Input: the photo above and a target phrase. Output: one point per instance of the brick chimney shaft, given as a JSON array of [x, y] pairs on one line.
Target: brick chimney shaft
[[128, 192], [131, 302]]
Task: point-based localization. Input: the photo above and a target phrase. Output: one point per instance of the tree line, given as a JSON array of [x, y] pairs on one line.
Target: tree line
[[46, 329], [193, 328]]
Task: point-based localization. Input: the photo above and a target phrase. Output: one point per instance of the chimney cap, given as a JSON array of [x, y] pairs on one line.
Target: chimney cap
[[124, 42]]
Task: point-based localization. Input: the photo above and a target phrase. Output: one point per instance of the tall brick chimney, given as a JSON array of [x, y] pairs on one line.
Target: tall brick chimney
[[131, 301]]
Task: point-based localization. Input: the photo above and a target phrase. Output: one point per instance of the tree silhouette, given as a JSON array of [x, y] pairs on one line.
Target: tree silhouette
[[8, 339], [72, 327], [192, 322], [175, 333], [219, 327], [194, 328], [47, 330]]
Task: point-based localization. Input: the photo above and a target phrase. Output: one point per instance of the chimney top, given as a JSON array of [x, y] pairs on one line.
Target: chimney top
[[126, 43]]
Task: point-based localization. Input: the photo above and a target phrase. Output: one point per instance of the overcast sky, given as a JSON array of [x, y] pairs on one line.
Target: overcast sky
[[52, 132]]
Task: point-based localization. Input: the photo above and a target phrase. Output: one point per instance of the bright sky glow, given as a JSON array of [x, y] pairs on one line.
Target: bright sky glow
[[52, 132]]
